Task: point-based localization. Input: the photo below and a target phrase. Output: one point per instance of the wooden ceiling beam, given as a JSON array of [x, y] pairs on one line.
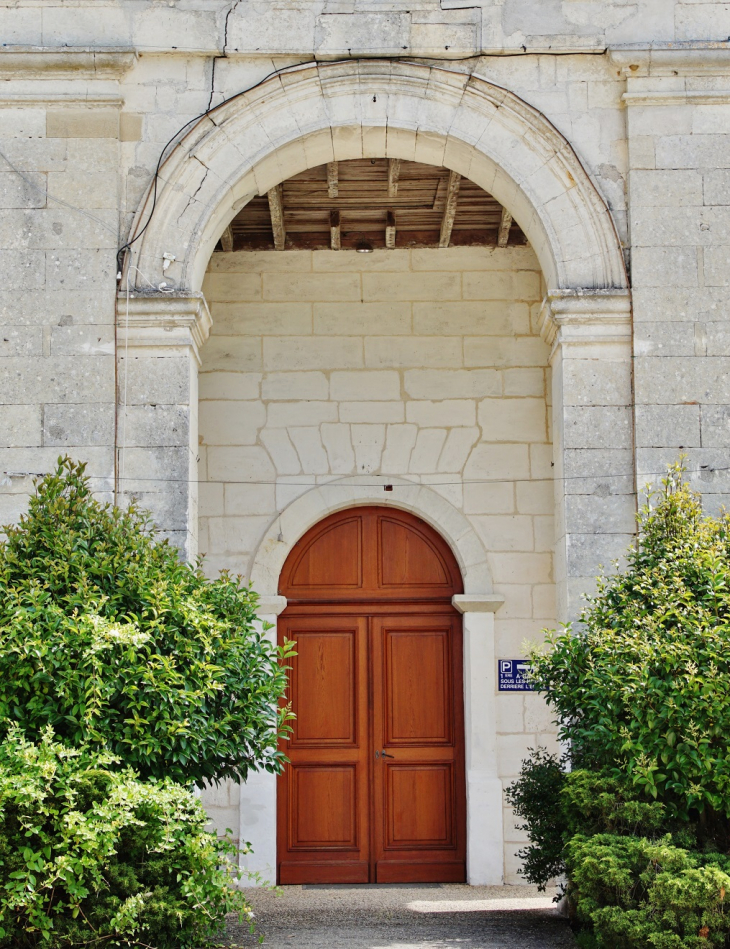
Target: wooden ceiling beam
[[227, 239], [452, 198], [390, 230], [276, 209], [504, 225], [333, 179], [393, 176], [335, 231]]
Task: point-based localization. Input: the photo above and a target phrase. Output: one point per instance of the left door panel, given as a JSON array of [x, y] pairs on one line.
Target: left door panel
[[323, 795]]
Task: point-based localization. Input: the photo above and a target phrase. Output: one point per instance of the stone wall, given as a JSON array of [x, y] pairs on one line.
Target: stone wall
[[420, 364]]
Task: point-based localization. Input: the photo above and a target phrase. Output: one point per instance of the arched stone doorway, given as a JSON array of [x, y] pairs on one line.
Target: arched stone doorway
[[375, 786]]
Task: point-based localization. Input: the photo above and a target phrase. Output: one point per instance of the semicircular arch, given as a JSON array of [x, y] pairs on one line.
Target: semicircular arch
[[315, 505], [323, 112]]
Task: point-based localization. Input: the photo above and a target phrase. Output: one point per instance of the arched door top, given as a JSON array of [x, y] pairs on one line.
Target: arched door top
[[370, 553], [337, 111]]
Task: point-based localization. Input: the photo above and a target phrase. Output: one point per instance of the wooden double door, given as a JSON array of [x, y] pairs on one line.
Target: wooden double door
[[375, 788]]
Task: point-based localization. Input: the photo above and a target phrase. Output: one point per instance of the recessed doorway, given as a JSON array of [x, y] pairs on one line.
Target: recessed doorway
[[375, 787]]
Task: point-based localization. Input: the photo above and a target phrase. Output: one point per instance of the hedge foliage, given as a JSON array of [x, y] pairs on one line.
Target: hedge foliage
[[109, 638], [638, 813], [92, 856]]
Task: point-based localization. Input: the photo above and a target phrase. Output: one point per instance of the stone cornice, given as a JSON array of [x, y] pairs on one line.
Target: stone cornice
[[586, 316], [72, 62], [9, 100], [672, 59], [677, 97], [169, 320]]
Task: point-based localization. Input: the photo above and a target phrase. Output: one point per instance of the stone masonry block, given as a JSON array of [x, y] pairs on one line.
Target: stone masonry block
[[82, 123], [362, 319], [503, 352], [601, 426], [20, 425], [405, 286], [444, 414], [233, 353], [153, 425], [285, 414], [660, 189], [371, 385], [504, 420], [452, 383], [523, 285], [78, 424], [301, 352], [406, 352], [659, 425], [313, 287], [372, 412], [219, 425], [28, 379], [229, 385], [261, 319], [292, 386], [151, 379], [232, 288], [477, 318], [82, 340]]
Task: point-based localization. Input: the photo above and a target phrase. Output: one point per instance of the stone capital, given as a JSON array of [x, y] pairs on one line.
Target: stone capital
[[170, 320], [271, 605], [477, 602], [585, 316], [672, 59]]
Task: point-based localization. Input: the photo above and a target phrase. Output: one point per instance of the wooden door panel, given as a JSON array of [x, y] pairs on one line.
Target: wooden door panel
[[419, 794], [323, 798], [323, 807], [324, 685], [419, 806], [418, 687]]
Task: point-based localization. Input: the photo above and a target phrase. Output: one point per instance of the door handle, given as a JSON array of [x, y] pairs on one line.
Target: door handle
[[384, 754]]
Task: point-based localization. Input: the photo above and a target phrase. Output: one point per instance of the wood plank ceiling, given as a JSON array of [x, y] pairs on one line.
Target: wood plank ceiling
[[372, 202]]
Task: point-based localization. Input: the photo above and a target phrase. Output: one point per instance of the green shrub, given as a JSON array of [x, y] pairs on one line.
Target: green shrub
[[94, 857], [642, 700], [556, 806], [644, 689], [635, 893], [106, 636]]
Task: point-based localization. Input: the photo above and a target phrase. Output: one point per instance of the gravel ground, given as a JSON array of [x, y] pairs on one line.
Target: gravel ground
[[405, 917]]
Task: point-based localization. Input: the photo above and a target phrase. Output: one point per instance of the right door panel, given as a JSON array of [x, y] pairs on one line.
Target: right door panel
[[419, 825]]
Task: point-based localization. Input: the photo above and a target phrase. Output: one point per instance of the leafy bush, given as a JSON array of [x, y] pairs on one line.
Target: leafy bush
[[93, 857], [106, 636], [556, 806], [642, 700], [636, 893], [644, 690]]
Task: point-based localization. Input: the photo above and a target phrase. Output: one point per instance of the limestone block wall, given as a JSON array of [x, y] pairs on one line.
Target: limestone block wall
[[57, 280], [421, 364], [679, 191]]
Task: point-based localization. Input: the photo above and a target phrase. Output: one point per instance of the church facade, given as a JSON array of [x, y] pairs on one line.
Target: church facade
[[394, 309]]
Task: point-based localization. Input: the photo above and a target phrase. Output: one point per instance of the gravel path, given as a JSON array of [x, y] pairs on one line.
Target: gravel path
[[405, 917]]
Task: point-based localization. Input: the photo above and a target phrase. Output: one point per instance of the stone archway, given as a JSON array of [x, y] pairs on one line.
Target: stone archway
[[311, 114], [478, 605], [322, 112]]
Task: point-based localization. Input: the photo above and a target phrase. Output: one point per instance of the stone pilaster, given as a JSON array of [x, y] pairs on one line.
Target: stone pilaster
[[485, 832], [159, 336], [591, 359]]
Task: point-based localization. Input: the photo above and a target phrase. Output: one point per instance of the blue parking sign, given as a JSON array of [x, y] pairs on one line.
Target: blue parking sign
[[513, 675]]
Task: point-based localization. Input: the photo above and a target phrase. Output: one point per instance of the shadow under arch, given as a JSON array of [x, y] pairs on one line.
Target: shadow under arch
[[322, 112]]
